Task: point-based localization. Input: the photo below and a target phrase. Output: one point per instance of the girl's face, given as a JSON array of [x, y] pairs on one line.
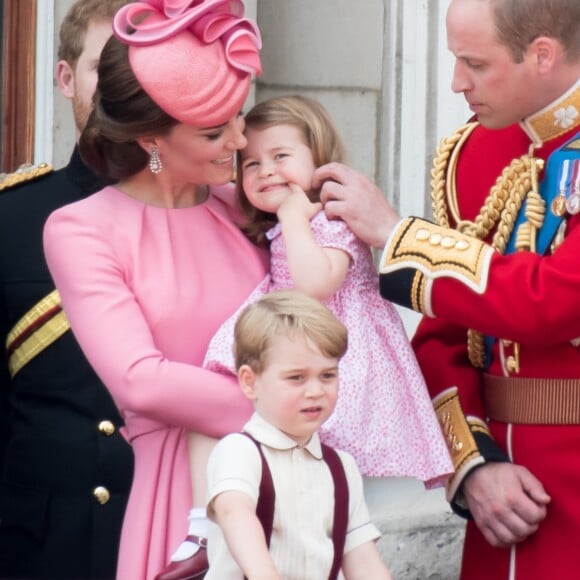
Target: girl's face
[[202, 156], [273, 158]]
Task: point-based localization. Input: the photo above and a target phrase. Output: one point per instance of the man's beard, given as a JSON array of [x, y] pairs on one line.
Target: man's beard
[[81, 113]]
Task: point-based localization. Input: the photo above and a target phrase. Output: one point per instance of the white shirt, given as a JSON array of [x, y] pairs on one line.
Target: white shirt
[[301, 543]]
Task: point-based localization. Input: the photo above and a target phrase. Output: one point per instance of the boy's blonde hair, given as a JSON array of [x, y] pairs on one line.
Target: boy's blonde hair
[[319, 133], [288, 313]]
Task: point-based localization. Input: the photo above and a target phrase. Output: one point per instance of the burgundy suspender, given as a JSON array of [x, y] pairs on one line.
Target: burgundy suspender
[[340, 507], [267, 497]]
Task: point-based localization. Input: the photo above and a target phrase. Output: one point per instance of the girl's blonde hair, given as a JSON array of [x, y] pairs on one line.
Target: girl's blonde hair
[[320, 135]]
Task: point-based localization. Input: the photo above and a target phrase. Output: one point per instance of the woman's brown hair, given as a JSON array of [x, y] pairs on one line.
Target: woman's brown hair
[[122, 113]]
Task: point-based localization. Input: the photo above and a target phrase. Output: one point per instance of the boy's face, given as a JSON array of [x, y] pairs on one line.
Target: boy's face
[[297, 388]]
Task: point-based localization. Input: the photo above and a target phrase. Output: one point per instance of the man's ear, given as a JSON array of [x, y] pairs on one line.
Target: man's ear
[[547, 53], [65, 79], [247, 381]]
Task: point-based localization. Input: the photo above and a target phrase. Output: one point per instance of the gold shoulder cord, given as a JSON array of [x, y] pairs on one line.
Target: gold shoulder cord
[[517, 182], [26, 172]]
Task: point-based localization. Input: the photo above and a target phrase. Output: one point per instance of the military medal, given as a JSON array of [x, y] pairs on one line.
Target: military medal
[[573, 199], [559, 237], [559, 205], [573, 204], [559, 202]]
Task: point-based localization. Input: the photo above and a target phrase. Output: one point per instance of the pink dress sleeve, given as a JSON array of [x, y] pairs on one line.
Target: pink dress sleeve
[[334, 234], [135, 347]]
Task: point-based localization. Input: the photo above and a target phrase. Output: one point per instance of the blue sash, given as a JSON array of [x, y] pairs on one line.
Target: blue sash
[[557, 182]]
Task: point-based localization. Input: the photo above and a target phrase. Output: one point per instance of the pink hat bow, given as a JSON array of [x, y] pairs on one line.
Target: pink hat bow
[[175, 55], [209, 20]]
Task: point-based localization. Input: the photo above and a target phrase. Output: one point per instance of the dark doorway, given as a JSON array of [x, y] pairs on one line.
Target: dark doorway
[[18, 32]]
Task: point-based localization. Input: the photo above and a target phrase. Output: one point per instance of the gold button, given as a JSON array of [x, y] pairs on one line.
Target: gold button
[[101, 494], [106, 427], [422, 235], [512, 365], [447, 242], [435, 239]]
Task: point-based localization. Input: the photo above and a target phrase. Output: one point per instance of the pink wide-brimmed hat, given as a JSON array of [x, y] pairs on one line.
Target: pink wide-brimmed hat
[[194, 58]]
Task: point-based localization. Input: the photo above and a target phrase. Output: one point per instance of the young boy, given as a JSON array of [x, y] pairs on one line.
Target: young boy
[[287, 349]]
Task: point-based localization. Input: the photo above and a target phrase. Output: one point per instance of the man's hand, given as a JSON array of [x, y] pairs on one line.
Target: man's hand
[[507, 502], [352, 197]]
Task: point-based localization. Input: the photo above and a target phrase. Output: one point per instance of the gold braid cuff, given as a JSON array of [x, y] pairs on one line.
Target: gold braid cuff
[[436, 252], [458, 433]]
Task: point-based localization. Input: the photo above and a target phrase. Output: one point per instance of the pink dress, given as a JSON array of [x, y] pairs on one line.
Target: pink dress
[[145, 288], [384, 416]]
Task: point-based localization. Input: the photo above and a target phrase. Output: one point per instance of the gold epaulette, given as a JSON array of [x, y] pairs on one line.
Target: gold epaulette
[[24, 173]]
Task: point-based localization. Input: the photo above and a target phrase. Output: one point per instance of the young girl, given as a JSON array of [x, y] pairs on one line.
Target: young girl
[[384, 416]]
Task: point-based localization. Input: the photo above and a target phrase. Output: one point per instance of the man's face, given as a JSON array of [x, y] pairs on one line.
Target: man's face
[[499, 90], [84, 75]]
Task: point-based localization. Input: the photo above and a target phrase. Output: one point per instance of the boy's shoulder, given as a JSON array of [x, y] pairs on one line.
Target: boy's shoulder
[[346, 458], [238, 449], [351, 470]]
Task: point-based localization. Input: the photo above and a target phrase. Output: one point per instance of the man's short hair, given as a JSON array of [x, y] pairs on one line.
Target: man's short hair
[[75, 24], [520, 22]]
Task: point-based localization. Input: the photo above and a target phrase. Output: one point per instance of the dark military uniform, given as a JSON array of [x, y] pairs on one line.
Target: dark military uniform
[[66, 469]]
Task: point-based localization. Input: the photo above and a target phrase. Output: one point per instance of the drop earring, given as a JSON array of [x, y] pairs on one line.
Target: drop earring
[[155, 164]]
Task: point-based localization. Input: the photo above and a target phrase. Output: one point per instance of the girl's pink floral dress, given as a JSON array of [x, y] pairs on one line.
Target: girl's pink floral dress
[[384, 416]]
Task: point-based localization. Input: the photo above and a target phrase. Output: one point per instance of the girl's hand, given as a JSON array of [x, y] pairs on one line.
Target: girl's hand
[[298, 204]]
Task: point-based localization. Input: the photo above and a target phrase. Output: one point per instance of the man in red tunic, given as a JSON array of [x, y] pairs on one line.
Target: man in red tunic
[[498, 280]]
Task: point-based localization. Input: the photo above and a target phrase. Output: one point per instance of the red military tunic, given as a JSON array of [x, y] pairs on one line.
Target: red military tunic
[[530, 300]]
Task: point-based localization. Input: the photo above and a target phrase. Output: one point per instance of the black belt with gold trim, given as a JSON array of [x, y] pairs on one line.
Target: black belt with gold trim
[[532, 401]]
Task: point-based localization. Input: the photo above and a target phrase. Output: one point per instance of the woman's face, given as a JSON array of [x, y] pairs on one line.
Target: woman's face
[[202, 156]]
